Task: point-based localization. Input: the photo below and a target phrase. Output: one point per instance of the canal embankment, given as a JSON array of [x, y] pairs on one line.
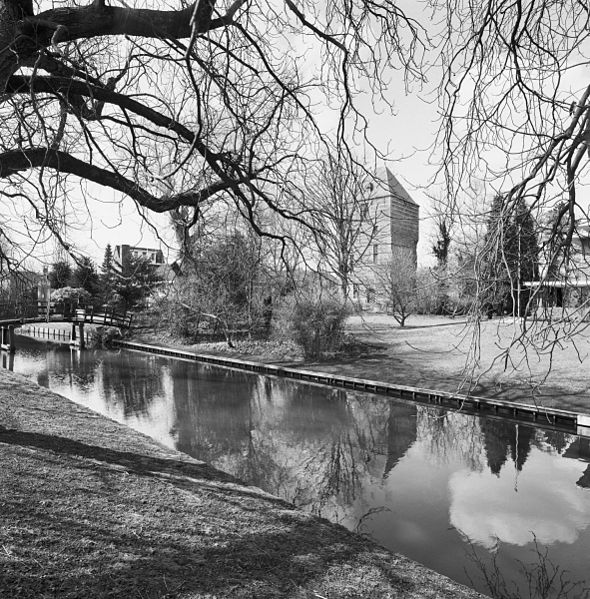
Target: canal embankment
[[556, 419], [435, 352], [91, 508]]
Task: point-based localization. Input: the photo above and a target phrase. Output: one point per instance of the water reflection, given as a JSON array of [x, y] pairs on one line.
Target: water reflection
[[7, 360], [423, 481]]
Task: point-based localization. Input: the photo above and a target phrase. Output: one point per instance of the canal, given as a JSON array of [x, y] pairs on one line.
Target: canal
[[476, 499]]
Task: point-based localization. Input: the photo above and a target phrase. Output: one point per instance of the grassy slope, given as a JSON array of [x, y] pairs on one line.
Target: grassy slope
[[90, 508]]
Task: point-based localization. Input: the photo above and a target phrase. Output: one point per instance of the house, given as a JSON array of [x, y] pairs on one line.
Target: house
[[124, 252], [19, 285], [566, 283]]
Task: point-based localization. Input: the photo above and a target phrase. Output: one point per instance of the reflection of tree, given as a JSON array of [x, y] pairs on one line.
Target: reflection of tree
[[584, 480], [313, 446], [71, 366], [450, 435], [503, 438], [213, 409], [559, 441], [579, 449], [539, 579], [318, 447], [129, 380]]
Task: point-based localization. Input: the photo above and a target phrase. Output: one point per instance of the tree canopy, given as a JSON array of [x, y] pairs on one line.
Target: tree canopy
[[177, 106], [180, 106]]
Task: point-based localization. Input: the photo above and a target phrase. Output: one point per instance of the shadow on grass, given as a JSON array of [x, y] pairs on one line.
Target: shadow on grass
[[142, 539], [181, 473]]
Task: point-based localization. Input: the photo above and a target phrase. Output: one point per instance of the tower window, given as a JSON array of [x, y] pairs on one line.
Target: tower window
[[375, 253]]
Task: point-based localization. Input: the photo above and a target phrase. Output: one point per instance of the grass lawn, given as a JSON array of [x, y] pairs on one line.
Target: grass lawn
[[438, 353]]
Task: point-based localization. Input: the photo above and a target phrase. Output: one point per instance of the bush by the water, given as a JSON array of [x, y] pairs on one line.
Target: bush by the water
[[316, 324], [103, 337]]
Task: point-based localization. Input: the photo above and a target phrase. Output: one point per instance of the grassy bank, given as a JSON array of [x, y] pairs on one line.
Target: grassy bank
[[90, 508], [436, 353]]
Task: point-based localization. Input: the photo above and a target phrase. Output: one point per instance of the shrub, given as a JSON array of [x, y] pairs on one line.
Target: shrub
[[316, 324], [74, 295]]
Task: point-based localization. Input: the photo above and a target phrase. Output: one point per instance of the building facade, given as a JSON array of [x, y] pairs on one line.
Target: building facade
[[565, 285], [394, 239], [123, 253]]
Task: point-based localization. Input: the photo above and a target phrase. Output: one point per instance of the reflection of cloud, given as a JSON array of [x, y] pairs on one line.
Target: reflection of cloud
[[547, 502]]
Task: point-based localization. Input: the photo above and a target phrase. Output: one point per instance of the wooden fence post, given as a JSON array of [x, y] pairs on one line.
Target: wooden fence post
[[11, 341], [82, 342]]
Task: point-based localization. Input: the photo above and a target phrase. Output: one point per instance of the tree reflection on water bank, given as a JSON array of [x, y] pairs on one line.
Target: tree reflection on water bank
[[420, 480]]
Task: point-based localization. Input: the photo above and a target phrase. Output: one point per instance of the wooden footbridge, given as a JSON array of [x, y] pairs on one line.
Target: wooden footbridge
[[16, 314]]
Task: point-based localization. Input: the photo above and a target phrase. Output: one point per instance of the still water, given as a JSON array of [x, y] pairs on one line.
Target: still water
[[472, 498]]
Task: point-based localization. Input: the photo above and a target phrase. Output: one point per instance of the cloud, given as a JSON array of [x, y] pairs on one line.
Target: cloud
[[542, 499]]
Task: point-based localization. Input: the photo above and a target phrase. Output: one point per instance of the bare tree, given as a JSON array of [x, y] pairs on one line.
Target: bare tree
[[341, 197], [395, 282], [444, 213], [220, 90]]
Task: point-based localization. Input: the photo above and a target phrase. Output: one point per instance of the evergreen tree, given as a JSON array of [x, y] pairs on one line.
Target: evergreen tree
[[525, 262], [510, 257], [60, 274], [86, 277], [107, 262], [133, 287], [107, 276]]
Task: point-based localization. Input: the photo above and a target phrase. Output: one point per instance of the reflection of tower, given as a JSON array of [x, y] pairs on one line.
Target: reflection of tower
[[401, 433]]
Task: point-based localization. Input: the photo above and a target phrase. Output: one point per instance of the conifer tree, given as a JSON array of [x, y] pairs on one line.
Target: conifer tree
[[86, 277], [510, 257], [60, 274], [107, 263], [107, 274]]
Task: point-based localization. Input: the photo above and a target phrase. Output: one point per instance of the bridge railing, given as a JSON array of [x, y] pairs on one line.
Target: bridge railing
[[69, 311], [104, 316]]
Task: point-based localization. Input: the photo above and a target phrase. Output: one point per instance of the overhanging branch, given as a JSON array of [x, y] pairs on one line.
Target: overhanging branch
[[23, 160]]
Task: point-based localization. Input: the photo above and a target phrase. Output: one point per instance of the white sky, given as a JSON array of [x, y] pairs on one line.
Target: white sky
[[408, 136], [405, 136]]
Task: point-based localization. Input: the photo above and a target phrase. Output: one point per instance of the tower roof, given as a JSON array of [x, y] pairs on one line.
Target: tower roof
[[395, 188]]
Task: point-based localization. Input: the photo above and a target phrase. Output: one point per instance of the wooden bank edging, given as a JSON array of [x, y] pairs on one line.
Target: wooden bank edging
[[564, 420]]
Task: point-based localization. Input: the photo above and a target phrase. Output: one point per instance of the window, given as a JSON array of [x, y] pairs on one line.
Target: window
[[375, 253]]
